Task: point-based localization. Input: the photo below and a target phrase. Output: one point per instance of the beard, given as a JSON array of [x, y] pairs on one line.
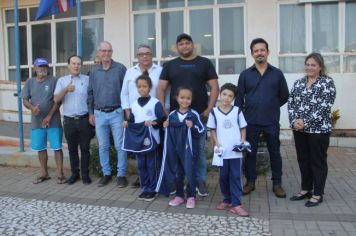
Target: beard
[[186, 53], [260, 60]]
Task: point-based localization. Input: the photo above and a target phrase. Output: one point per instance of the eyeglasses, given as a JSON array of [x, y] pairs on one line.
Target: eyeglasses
[[106, 51], [147, 54]]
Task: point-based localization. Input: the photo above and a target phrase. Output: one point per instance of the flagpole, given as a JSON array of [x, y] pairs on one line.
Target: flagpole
[[18, 75], [79, 31]]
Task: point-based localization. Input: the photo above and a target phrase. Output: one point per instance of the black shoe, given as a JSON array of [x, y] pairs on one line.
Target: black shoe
[[104, 180], [202, 189], [121, 181], [314, 201], [249, 187], [300, 196], [142, 196], [136, 184], [150, 197], [72, 179], [86, 180]]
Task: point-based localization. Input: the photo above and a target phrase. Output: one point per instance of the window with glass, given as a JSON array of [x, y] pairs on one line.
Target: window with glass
[[322, 21], [53, 37], [350, 38], [158, 22]]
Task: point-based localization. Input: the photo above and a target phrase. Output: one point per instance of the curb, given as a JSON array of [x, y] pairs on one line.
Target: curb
[[11, 156]]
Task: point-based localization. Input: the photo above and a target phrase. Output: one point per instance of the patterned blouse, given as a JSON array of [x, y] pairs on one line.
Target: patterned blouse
[[312, 104]]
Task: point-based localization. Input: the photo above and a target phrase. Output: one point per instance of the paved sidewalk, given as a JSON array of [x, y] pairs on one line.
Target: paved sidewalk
[[335, 216], [20, 200]]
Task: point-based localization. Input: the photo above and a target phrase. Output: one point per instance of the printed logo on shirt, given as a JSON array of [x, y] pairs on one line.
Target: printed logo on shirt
[[227, 124], [146, 142], [46, 88], [149, 113], [187, 66]]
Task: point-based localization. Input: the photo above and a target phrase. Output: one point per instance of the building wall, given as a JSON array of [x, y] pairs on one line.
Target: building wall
[[261, 21]]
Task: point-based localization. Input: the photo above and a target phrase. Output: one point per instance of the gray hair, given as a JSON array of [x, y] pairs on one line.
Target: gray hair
[[104, 42], [143, 46]]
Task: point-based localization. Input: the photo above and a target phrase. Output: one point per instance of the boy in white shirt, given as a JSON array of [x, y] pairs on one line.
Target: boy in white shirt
[[228, 128]]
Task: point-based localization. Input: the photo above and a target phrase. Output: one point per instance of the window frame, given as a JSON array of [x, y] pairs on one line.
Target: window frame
[[186, 28], [53, 24], [308, 7]]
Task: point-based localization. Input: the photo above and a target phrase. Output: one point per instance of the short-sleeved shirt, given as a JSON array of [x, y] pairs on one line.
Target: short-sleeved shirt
[[227, 126], [41, 93], [74, 103], [193, 73]]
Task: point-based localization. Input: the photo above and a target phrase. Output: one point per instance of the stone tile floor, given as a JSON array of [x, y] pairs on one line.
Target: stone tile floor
[[114, 210]]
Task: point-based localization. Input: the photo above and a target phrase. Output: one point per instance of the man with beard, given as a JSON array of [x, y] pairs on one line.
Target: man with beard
[[262, 90], [196, 72]]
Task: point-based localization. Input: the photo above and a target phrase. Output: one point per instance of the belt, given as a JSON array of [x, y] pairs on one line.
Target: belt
[[77, 117], [108, 109]]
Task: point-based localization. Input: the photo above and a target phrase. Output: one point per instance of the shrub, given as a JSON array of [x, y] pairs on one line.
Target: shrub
[[95, 166], [335, 116]]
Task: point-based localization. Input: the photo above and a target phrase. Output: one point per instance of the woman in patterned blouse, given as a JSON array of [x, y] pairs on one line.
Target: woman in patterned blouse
[[309, 108]]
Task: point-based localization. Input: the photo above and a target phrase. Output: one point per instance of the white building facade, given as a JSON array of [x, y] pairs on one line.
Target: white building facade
[[221, 29]]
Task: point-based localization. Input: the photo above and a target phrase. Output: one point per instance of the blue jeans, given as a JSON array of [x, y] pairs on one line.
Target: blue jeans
[[273, 144], [201, 162], [103, 123]]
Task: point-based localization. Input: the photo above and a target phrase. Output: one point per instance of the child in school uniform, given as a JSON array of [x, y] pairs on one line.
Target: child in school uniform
[[141, 136], [181, 150], [228, 129]]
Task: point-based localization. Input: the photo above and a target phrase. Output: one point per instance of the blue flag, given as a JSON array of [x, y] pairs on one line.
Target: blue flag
[[53, 7]]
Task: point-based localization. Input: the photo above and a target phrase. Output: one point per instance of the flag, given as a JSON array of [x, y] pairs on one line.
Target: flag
[[53, 7]]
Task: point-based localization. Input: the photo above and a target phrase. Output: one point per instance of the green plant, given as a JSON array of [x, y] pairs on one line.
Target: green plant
[[335, 116], [94, 165]]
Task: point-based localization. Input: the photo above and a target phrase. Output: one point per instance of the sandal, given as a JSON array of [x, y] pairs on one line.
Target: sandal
[[41, 179], [61, 180]]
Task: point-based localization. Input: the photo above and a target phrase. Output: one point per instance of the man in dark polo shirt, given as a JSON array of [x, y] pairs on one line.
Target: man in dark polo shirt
[[196, 72], [262, 90], [105, 112]]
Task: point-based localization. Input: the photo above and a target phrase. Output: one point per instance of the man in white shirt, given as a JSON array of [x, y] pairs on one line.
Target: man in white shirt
[[71, 91], [129, 92]]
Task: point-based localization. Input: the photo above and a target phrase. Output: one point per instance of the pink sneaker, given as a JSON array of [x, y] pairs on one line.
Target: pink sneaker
[[239, 210], [176, 201], [190, 203]]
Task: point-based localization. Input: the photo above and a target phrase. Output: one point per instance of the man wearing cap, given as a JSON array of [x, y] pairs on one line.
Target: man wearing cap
[[72, 91], [196, 72], [105, 111], [45, 118]]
